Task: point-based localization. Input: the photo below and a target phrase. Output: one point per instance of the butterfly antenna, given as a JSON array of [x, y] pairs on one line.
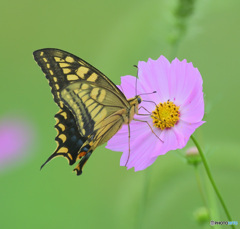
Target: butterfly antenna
[[149, 93], [136, 79]]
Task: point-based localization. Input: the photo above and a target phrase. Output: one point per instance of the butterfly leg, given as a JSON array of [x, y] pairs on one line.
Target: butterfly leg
[[149, 101], [150, 128], [129, 148], [144, 109]]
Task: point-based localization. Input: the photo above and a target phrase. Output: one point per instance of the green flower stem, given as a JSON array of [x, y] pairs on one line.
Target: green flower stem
[[211, 179]]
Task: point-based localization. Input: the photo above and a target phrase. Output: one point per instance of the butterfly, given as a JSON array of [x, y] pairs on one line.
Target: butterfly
[[92, 108]]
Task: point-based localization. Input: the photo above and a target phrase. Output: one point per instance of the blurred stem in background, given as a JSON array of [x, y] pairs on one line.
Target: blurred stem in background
[[143, 203], [198, 179], [181, 15], [211, 179]]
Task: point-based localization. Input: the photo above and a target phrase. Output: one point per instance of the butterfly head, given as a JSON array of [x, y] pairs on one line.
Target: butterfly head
[[139, 99], [135, 101]]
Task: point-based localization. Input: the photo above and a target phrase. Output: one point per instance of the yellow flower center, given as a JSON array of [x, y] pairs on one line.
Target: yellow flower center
[[165, 115]]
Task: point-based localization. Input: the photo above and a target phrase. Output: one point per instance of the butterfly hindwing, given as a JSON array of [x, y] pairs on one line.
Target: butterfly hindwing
[[83, 161], [102, 134], [90, 105], [105, 130], [68, 139]]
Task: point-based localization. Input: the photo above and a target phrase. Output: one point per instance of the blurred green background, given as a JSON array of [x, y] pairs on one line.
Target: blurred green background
[[113, 36]]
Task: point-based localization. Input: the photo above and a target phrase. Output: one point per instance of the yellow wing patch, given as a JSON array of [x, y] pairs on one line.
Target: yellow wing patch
[[81, 71], [93, 77]]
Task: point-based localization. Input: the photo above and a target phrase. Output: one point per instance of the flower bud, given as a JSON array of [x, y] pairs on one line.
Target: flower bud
[[192, 156]]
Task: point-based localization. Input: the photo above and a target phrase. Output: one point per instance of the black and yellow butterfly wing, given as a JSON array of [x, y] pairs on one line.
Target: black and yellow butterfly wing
[[89, 104], [62, 68], [97, 108], [68, 139]]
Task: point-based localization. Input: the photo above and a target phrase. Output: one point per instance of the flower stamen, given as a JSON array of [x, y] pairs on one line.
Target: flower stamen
[[165, 115]]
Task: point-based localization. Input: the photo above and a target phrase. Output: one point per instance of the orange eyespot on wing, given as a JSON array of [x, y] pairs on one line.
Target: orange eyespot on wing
[[81, 164]]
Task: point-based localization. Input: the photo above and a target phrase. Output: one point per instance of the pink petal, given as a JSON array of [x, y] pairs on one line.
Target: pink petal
[[128, 86], [154, 76], [141, 146], [140, 152], [119, 142], [170, 143], [184, 130], [183, 80], [193, 108], [176, 137]]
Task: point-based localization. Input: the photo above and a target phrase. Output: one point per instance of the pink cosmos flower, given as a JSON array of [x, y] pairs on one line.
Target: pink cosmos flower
[[174, 112]]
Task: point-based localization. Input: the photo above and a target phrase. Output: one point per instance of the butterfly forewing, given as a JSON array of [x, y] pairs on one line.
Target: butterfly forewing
[[62, 68]]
